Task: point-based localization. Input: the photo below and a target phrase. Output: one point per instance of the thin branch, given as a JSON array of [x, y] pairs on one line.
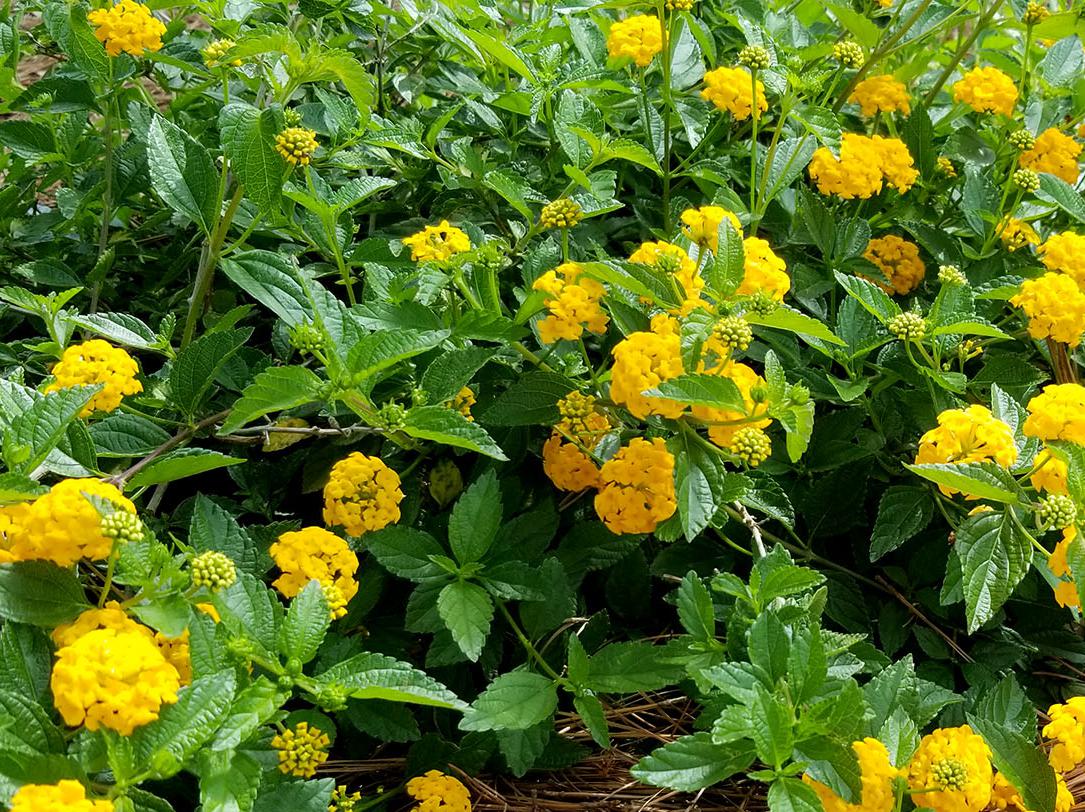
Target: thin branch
[[179, 438], [753, 527]]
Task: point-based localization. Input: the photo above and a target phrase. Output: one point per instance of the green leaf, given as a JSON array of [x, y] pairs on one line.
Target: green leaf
[[34, 433], [624, 668], [406, 552], [475, 519], [691, 763], [212, 527], [182, 173], [902, 512], [1022, 763], [1063, 62], [296, 796], [448, 374], [1007, 706], [872, 298], [786, 580], [594, 717], [39, 593], [254, 706], [184, 462], [792, 795], [467, 612], [375, 676], [970, 327], [273, 390], [792, 321], [834, 765], [723, 273], [515, 191], [248, 140], [695, 609], [27, 139], [918, 135], [228, 781], [273, 280], [771, 728], [26, 655], [22, 713], [533, 401], [994, 556], [626, 150], [984, 480], [701, 389], [522, 749], [69, 27], [126, 435], [1062, 193], [788, 161], [305, 624], [865, 31], [185, 726], [514, 701], [377, 352], [197, 365], [249, 609], [122, 328], [694, 475], [449, 427]]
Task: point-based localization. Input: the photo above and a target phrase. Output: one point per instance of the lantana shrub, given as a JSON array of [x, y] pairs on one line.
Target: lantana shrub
[[385, 379]]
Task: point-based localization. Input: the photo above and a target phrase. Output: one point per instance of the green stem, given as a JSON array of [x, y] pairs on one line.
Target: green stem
[[110, 567], [962, 49], [665, 95], [755, 117], [529, 647], [205, 273], [107, 193]]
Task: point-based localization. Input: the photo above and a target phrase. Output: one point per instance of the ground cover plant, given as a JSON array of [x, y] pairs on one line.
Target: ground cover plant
[[389, 378]]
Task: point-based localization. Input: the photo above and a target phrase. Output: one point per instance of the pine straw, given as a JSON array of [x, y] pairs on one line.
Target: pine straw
[[638, 724]]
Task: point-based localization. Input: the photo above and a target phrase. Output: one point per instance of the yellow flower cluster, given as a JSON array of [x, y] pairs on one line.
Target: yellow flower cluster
[[732, 91], [362, 494], [437, 243], [723, 424], [1057, 413], [672, 259], [565, 463], [899, 260], [214, 52], [580, 421], [437, 792], [62, 525], [763, 271], [343, 800], [641, 361], [127, 26], [1065, 252], [1016, 234], [986, 90], [881, 94], [1055, 307], [637, 487], [877, 774], [463, 402], [1067, 732], [1066, 594], [951, 771], [301, 749], [112, 678], [314, 554], [865, 164], [112, 616], [1005, 795], [702, 225], [573, 302], [967, 435], [1053, 153], [297, 145], [64, 796], [1049, 473], [639, 37], [97, 362]]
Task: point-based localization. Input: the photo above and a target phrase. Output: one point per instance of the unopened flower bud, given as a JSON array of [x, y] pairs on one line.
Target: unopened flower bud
[[213, 570]]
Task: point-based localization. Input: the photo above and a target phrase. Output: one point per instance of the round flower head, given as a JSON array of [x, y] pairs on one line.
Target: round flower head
[[986, 90], [437, 792], [725, 424], [214, 52], [946, 167], [463, 402], [561, 213], [1016, 234], [1053, 153], [732, 91], [1066, 732], [855, 174], [97, 362], [1057, 511], [213, 570], [437, 243], [751, 445], [877, 774], [673, 260], [301, 750], [702, 225], [63, 526], [314, 554], [849, 54], [1065, 252], [763, 271], [907, 326], [574, 304], [296, 145], [127, 27], [881, 94], [899, 260], [953, 766], [1049, 473], [895, 162], [639, 37], [637, 490], [11, 517], [729, 334], [1055, 307], [1057, 413], [114, 679], [343, 800], [569, 468], [362, 494], [967, 435], [641, 361], [580, 421], [64, 796]]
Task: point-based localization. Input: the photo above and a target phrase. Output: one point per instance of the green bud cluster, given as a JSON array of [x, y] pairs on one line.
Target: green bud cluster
[[213, 570], [122, 526], [908, 326]]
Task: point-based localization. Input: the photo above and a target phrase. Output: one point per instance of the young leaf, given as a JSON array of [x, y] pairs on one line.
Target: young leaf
[[902, 512], [376, 676], [467, 612], [305, 624], [691, 763], [184, 462], [514, 701], [198, 364], [984, 480], [475, 519], [273, 390], [449, 427]]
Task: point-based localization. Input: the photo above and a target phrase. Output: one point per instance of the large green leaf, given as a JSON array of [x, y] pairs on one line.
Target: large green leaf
[[467, 612], [182, 173], [406, 552], [994, 555], [1022, 763], [184, 462], [449, 427], [514, 701], [902, 512], [375, 676], [305, 624], [475, 519], [34, 433], [693, 762], [273, 280], [1063, 194], [701, 389], [378, 351], [39, 593], [984, 480], [533, 401], [197, 365], [622, 668], [273, 390], [872, 298], [248, 140]]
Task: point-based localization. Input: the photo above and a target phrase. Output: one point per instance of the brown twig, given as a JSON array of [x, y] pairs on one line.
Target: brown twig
[[911, 607], [183, 436]]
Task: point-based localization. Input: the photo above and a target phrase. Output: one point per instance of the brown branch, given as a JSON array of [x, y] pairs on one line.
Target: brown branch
[[179, 438]]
